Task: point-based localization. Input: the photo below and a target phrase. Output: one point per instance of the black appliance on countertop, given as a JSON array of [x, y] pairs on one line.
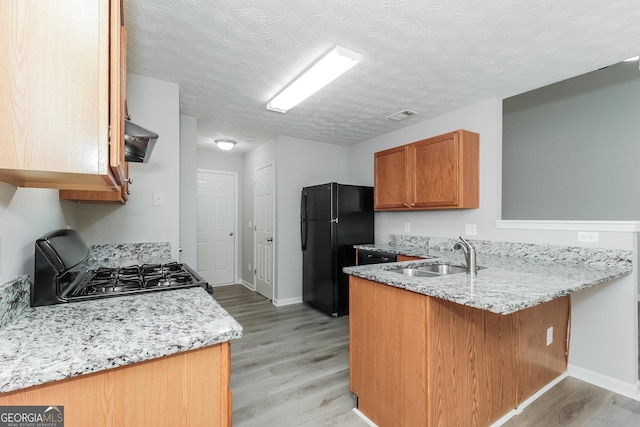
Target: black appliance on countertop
[[333, 218], [63, 274]]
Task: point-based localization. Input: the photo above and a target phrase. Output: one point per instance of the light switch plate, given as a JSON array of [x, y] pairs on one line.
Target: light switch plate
[[550, 335], [407, 227]]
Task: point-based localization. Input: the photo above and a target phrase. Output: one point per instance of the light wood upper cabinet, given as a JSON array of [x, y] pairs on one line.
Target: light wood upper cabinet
[[436, 173], [391, 178], [61, 89]]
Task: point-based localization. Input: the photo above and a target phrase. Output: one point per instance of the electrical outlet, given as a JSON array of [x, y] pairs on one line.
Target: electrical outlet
[[550, 335], [588, 236], [470, 229], [407, 227]]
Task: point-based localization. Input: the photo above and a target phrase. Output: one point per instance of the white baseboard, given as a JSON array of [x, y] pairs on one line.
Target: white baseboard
[[248, 285], [529, 401], [631, 391], [287, 301], [364, 418]]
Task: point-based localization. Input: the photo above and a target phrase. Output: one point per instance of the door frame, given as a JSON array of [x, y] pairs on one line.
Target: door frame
[[271, 163], [235, 222]]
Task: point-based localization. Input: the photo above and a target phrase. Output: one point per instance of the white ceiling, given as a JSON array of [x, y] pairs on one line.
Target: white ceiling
[[230, 57]]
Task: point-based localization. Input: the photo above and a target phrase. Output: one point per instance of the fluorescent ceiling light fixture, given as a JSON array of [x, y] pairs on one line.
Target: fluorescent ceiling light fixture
[[225, 144], [635, 58], [323, 72]]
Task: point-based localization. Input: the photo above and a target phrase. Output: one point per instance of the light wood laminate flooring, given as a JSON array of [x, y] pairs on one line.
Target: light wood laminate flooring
[[291, 368]]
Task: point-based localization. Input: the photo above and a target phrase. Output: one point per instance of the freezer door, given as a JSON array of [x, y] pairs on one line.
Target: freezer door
[[355, 215], [319, 267], [316, 203]]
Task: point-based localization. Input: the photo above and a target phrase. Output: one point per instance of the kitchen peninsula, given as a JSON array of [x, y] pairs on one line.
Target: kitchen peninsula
[[459, 349], [159, 358]]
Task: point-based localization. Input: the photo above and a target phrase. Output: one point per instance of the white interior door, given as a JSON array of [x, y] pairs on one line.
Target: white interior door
[[216, 192], [263, 230]]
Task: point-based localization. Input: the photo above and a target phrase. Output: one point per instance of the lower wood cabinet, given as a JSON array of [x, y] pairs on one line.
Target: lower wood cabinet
[[408, 258], [185, 389], [422, 361]]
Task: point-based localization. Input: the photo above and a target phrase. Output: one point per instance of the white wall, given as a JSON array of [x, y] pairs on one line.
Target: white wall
[[300, 163], [297, 163], [25, 215], [483, 118], [216, 160], [188, 196], [153, 104]]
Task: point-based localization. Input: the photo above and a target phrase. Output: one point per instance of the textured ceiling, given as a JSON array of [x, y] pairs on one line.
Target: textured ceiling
[[230, 57]]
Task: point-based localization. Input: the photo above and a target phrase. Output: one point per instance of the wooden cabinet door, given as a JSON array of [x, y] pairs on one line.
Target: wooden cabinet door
[[387, 353], [117, 89], [435, 172], [391, 176], [54, 118]]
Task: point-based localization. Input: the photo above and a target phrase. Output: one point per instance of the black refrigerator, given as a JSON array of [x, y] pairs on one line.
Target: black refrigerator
[[333, 218]]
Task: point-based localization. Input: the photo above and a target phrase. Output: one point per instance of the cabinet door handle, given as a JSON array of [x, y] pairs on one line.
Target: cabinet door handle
[[231, 233], [129, 180], [405, 205], [413, 205], [269, 239]]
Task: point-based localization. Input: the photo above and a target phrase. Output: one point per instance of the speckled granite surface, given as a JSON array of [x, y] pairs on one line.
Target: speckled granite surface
[[14, 299], [62, 341], [426, 247], [514, 276], [139, 251]]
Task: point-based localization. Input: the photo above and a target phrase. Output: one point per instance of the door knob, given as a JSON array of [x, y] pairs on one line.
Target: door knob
[[231, 234], [269, 239]]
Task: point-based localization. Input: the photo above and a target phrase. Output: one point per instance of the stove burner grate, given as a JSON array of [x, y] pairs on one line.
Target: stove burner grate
[[147, 277]]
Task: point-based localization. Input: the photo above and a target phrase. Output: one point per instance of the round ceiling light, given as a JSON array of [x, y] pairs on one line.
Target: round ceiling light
[[225, 144]]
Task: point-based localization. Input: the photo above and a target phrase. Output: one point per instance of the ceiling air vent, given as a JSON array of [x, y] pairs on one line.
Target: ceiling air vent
[[401, 115]]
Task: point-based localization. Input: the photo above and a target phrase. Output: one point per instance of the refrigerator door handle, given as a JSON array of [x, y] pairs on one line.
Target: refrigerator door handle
[[303, 206], [303, 234]]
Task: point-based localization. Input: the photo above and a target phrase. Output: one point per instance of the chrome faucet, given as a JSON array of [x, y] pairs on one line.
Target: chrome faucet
[[469, 255]]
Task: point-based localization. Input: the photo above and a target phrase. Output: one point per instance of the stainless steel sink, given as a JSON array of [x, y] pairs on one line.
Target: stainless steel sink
[[432, 270], [443, 269], [414, 272]]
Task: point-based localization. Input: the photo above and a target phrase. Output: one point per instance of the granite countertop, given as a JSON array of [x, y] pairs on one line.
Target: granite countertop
[[56, 342], [504, 284]]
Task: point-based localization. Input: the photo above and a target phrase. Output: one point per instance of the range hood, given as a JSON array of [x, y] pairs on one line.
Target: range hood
[[138, 142]]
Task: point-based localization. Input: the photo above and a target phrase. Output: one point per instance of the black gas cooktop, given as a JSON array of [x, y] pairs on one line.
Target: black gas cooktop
[[106, 281], [64, 274]]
